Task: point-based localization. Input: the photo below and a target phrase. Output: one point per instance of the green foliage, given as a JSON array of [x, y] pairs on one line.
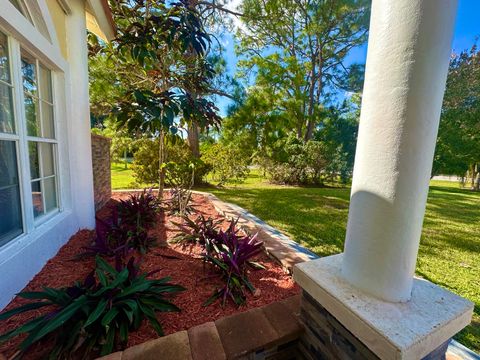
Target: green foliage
[[298, 58], [297, 162], [157, 68], [122, 143], [94, 316], [146, 163], [338, 133], [458, 149], [228, 162]]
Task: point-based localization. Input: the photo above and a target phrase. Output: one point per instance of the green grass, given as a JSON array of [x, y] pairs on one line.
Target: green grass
[[123, 178], [449, 252]]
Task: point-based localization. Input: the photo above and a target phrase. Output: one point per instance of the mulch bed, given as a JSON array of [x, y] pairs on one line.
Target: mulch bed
[[183, 265]]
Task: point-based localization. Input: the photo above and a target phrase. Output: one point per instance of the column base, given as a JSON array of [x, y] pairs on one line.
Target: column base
[[341, 321]]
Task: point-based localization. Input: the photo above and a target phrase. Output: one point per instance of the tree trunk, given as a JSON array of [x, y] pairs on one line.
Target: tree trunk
[[476, 177], [472, 176], [161, 169], [125, 158], [311, 102], [193, 139]]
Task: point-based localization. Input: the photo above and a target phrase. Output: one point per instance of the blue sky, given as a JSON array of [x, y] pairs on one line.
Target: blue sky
[[467, 29]]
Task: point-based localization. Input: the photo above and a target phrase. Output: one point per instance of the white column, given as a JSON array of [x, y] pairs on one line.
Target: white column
[[79, 117], [407, 63]]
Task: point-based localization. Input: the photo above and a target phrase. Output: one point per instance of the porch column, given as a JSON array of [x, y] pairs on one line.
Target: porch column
[[407, 63], [366, 303]]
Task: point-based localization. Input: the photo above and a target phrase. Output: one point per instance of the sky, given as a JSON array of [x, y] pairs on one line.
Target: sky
[[467, 30]]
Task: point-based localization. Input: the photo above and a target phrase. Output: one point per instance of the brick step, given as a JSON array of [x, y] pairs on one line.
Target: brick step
[[268, 332]]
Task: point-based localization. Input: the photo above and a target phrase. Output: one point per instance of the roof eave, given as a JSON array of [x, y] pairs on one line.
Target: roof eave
[[103, 15]]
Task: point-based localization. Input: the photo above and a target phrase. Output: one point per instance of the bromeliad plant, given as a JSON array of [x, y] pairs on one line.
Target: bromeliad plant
[[232, 255], [96, 315]]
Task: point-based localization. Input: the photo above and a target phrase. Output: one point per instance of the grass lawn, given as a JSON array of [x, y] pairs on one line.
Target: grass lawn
[[316, 218], [123, 178]]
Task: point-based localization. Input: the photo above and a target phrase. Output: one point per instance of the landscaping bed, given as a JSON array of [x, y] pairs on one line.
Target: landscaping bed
[[183, 264]]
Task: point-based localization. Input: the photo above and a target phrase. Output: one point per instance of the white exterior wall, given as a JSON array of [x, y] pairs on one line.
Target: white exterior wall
[[79, 127], [22, 258]]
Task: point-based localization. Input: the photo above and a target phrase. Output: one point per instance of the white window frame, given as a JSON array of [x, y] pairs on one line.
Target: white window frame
[[40, 139], [22, 34]]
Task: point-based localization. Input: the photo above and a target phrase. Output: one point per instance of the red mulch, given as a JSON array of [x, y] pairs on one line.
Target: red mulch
[[183, 265]]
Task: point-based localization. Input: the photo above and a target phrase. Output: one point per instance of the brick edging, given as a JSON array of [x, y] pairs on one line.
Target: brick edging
[[270, 329]]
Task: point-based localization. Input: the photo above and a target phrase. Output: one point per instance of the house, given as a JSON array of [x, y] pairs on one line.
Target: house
[[46, 185]]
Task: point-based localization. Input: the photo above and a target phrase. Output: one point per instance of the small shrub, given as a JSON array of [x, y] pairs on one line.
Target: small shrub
[[180, 202], [298, 162], [112, 238], [146, 163], [228, 163], [94, 316]]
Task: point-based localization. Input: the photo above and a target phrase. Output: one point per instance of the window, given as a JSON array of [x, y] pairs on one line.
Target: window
[[10, 209], [38, 101], [28, 141]]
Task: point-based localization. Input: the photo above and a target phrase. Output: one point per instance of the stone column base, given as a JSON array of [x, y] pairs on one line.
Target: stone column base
[[342, 322]]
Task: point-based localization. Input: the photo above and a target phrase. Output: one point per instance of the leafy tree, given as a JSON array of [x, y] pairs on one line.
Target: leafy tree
[[458, 149], [160, 68], [339, 132], [297, 50]]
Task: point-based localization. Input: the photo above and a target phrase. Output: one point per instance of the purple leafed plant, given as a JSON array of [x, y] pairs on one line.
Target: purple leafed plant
[[127, 227], [231, 254], [110, 237], [198, 231], [139, 210]]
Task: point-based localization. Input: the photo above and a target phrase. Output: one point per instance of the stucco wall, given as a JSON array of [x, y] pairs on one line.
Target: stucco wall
[[58, 18], [102, 185]]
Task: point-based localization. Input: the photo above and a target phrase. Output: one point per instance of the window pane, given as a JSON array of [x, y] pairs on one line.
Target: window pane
[[7, 124], [48, 129], [8, 164], [10, 213], [10, 206], [33, 123], [45, 84], [37, 198], [34, 163], [29, 72], [47, 159], [50, 193], [4, 62]]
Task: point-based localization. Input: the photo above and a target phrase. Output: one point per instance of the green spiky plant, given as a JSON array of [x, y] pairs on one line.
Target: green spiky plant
[[94, 316]]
